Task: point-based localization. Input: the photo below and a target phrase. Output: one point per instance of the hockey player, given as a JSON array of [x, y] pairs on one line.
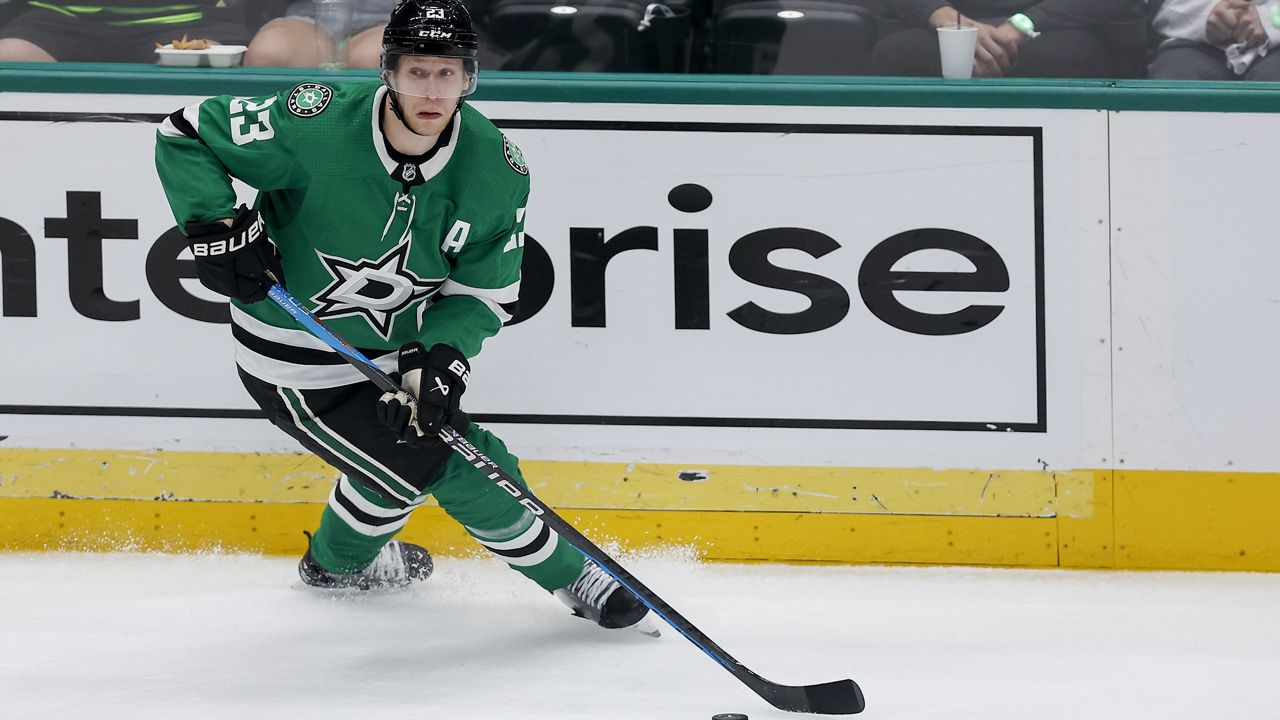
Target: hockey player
[[398, 210]]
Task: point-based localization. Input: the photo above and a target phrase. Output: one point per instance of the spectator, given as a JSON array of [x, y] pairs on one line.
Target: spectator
[[291, 41], [1216, 40], [109, 31], [1016, 38]]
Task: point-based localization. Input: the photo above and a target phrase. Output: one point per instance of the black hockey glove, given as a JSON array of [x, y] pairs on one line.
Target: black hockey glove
[[234, 261], [431, 385]]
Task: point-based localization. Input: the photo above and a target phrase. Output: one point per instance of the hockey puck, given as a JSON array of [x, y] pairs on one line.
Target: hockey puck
[[729, 716]]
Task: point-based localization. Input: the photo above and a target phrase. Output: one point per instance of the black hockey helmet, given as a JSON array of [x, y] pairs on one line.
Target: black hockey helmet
[[430, 27], [440, 28]]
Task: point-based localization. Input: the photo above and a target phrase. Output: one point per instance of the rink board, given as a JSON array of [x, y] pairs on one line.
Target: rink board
[[739, 382], [179, 501]]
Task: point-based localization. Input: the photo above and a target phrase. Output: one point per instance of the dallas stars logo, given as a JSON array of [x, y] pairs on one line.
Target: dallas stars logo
[[309, 99], [515, 158], [378, 290]]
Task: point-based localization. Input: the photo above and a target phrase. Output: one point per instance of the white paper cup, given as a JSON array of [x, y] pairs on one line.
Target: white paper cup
[[333, 28], [956, 45]]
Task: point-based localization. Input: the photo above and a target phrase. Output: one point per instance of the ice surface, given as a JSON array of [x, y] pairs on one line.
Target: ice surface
[[238, 638]]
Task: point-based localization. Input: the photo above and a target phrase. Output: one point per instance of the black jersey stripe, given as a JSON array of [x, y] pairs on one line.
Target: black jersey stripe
[[544, 536], [181, 125], [292, 353]]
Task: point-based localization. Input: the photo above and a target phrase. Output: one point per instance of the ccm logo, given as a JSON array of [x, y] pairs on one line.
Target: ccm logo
[[231, 244]]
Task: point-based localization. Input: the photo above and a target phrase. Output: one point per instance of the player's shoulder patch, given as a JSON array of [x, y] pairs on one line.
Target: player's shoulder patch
[[515, 158], [309, 99]]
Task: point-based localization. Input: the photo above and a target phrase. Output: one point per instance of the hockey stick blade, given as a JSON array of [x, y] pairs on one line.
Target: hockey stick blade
[[842, 697]]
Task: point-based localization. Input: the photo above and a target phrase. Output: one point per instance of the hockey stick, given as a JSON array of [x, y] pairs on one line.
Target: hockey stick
[[842, 697]]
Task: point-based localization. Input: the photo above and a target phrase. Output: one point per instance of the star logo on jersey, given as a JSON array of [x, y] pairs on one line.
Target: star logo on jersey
[[378, 290], [515, 158], [309, 99]]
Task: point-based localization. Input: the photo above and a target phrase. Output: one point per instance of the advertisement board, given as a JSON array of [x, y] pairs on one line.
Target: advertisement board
[[691, 274]]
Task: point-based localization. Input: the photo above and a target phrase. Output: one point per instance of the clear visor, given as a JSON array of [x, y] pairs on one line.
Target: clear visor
[[429, 76]]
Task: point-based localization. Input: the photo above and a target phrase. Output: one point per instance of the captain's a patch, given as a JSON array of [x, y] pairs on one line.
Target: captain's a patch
[[309, 99]]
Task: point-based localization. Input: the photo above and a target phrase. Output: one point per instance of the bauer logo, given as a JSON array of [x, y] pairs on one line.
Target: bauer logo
[[229, 245], [459, 368]]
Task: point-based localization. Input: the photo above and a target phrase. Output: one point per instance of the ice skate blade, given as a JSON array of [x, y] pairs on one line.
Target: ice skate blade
[[647, 626], [351, 592]]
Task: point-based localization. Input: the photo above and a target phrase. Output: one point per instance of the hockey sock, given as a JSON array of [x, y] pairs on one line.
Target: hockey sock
[[354, 527], [499, 522], [535, 551]]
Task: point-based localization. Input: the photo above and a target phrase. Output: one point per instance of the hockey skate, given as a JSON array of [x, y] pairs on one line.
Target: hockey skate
[[599, 598], [397, 565]]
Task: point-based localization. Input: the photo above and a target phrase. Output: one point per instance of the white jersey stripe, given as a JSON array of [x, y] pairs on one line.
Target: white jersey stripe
[[294, 375], [191, 114], [362, 528], [168, 130], [537, 557], [507, 294], [284, 336], [345, 488], [301, 377]]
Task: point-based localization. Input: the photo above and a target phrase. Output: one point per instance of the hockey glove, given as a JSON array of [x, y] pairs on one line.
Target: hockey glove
[[234, 261], [431, 384]]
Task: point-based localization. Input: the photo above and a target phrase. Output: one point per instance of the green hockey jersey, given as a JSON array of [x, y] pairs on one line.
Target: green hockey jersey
[[384, 248]]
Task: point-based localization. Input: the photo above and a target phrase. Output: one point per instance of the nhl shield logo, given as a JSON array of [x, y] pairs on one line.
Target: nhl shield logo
[[515, 158], [309, 99]]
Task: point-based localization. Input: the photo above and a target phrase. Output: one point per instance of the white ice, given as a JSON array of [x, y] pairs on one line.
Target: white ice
[[237, 638]]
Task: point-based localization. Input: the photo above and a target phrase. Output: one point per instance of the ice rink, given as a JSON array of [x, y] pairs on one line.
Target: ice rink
[[237, 637]]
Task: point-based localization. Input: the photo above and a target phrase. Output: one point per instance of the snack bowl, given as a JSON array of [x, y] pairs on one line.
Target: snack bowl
[[179, 58], [221, 56]]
